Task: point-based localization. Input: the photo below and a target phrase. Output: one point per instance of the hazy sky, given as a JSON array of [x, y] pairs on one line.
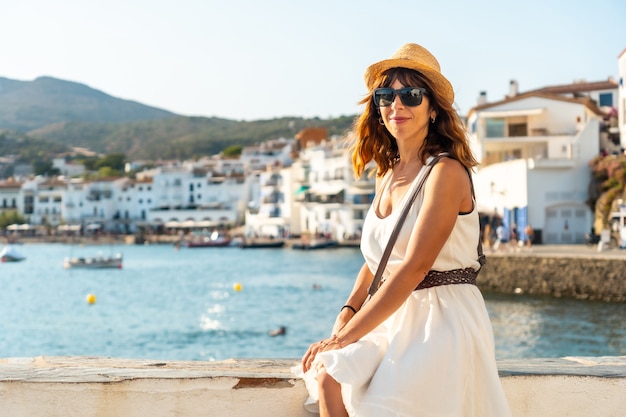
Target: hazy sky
[[251, 59]]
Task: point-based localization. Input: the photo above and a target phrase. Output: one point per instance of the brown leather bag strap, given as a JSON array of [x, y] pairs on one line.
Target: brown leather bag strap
[[396, 230], [482, 259]]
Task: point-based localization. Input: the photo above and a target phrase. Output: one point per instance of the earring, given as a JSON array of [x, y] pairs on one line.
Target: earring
[[381, 121], [432, 119]]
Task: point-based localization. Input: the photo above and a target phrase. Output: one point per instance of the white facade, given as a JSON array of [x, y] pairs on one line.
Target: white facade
[[191, 193], [10, 196], [621, 107], [68, 169], [273, 152], [269, 213], [534, 153], [329, 201]]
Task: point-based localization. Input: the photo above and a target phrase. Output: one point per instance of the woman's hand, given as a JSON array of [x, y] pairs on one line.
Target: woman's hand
[[331, 343]]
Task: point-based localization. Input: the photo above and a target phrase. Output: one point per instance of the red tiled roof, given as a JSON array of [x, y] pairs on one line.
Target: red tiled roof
[[578, 87]]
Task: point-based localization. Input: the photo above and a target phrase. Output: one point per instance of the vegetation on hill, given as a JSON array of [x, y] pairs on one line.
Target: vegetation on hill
[[181, 137], [22, 149]]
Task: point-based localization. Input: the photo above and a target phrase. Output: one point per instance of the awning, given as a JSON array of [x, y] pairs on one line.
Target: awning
[[358, 190], [188, 223], [16, 226], [302, 189], [69, 228], [326, 189], [511, 113]]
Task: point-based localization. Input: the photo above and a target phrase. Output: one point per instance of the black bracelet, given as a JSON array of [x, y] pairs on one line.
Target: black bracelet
[[350, 307]]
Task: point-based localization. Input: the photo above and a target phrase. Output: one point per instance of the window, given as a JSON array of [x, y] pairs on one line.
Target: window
[[495, 128], [518, 129], [606, 99]]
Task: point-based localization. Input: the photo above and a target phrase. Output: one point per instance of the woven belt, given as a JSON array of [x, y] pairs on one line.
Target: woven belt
[[454, 276]]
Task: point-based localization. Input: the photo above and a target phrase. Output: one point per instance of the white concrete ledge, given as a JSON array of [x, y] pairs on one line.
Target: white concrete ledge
[[110, 387]]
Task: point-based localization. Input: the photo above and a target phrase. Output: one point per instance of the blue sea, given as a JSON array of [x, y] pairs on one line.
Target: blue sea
[[220, 303]]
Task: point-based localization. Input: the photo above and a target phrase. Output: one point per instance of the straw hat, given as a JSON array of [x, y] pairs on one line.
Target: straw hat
[[417, 58]]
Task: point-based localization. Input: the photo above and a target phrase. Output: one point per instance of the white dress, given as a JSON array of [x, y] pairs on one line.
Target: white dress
[[435, 356]]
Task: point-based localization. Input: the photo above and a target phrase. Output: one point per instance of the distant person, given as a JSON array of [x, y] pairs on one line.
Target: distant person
[[281, 331], [487, 236], [514, 238], [423, 344], [530, 235], [501, 239]]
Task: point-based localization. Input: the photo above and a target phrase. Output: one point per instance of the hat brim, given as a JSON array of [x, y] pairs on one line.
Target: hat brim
[[438, 81]]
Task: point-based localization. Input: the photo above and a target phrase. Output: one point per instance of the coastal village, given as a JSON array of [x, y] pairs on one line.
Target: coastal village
[[534, 149]]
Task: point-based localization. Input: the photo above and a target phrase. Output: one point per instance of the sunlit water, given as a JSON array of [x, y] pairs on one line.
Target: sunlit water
[[182, 305]]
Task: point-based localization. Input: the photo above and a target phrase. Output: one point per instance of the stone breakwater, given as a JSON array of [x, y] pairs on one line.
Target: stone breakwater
[[591, 277]]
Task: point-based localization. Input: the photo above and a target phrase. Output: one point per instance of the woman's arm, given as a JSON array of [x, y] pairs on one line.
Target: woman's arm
[[355, 299], [446, 193]]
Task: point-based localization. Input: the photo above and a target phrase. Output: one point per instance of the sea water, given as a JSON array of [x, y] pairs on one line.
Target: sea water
[[219, 303]]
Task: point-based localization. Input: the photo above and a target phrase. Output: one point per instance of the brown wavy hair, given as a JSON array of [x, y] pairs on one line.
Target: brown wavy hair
[[373, 142]]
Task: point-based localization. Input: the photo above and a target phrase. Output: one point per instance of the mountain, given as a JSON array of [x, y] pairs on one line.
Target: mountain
[[29, 105], [72, 114]]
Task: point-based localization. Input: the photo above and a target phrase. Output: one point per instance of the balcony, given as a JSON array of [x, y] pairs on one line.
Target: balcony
[[557, 151]]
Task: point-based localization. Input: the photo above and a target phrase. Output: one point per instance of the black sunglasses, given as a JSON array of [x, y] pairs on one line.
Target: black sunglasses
[[409, 96]]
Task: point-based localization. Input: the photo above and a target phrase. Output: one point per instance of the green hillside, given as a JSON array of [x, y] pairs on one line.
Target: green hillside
[[70, 114], [180, 137]]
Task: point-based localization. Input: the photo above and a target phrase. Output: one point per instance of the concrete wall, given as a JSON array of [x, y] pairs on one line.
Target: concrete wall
[[105, 387], [582, 277]]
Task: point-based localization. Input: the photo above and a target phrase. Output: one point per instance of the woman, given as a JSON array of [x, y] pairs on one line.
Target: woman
[[412, 349]]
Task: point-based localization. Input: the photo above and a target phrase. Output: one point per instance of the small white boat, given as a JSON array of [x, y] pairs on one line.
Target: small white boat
[[9, 254], [97, 262]]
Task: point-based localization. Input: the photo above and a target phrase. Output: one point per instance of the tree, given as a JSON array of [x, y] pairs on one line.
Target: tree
[[115, 161], [8, 218], [232, 151], [107, 172], [41, 167]]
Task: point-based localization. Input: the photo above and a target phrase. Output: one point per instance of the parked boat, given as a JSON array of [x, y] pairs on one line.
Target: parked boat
[[97, 262], [215, 239], [9, 254], [315, 244], [262, 243]]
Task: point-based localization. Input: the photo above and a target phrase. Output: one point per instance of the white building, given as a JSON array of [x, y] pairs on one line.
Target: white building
[[269, 212], [534, 149], [208, 193], [621, 107], [272, 152], [10, 197], [329, 200], [89, 203], [68, 169]]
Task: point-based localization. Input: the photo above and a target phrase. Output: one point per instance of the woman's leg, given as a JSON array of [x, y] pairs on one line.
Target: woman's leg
[[330, 400]]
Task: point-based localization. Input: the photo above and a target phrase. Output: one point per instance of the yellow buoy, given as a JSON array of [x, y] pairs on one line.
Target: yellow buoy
[[91, 299], [237, 287]]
